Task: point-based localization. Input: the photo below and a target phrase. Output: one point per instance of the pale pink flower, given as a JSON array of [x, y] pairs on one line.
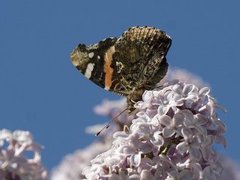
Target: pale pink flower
[[170, 137], [173, 140], [15, 163]]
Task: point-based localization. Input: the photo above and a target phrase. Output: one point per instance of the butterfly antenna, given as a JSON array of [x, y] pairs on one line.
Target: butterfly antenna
[[108, 124]]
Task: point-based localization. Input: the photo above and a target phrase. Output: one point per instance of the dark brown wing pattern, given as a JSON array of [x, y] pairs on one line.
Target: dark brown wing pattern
[[128, 65]]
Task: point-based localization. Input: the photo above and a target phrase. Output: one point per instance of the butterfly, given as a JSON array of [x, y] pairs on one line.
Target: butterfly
[[127, 65]]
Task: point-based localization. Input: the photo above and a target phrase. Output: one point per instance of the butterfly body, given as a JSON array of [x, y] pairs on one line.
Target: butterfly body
[[128, 65]]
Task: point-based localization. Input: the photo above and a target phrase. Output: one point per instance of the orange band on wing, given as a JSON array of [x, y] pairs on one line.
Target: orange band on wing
[[107, 67]]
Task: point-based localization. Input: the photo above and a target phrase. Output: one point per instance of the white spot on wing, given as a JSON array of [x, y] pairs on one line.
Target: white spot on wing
[[107, 88], [89, 70], [91, 54]]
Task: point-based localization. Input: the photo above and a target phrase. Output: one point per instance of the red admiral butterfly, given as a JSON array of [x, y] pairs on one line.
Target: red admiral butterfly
[[128, 65]]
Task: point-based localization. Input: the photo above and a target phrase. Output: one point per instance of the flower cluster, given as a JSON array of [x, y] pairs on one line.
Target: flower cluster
[[171, 137], [72, 165], [20, 156], [184, 76]]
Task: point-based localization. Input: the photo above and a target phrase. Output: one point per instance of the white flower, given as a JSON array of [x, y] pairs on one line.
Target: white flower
[[172, 125], [170, 138], [14, 164]]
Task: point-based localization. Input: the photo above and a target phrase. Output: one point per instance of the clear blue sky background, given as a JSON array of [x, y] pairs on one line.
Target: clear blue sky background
[[42, 92]]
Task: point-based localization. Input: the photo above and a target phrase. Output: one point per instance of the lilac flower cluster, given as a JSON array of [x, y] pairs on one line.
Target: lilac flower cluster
[[171, 137], [72, 165], [20, 157], [184, 76]]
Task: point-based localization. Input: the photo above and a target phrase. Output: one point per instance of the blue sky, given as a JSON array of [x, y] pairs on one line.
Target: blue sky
[[42, 92]]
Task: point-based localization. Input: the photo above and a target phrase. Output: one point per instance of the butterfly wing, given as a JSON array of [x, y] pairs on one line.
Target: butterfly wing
[[132, 62], [139, 59], [89, 60]]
